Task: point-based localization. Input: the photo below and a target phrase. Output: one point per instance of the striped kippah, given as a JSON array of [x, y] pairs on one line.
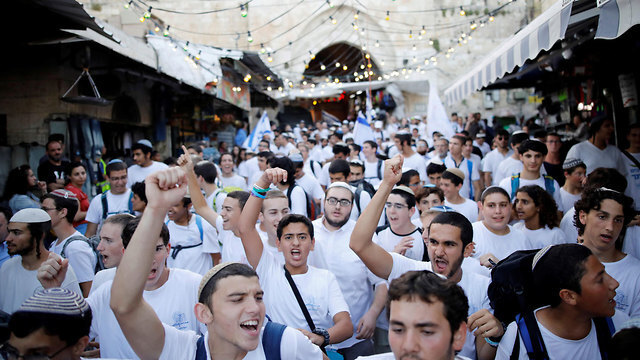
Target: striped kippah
[[442, 208], [571, 163], [56, 301]]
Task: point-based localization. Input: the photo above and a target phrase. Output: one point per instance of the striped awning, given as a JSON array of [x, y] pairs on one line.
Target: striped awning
[[540, 34], [616, 17]]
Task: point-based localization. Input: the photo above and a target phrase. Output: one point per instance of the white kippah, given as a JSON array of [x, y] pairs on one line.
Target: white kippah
[[30, 216], [56, 301], [340, 184]]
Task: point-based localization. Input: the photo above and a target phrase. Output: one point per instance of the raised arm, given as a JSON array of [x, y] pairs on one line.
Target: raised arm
[[247, 225], [197, 199], [378, 260], [138, 321]]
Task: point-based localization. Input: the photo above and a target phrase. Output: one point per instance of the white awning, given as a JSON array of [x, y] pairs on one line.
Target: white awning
[[540, 34], [616, 17]]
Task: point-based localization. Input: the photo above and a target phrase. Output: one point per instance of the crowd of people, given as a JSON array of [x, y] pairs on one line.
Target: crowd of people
[[314, 246]]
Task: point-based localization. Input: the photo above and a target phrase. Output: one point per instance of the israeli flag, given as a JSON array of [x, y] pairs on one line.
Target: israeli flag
[[263, 127], [362, 131]]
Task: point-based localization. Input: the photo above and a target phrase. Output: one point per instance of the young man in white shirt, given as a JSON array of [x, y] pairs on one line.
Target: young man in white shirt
[[62, 205], [296, 193], [632, 157], [435, 168], [284, 147], [229, 293], [372, 165], [401, 235], [577, 289], [480, 142], [318, 288], [512, 164], [492, 160], [332, 252], [538, 215], [448, 240], [310, 166], [575, 172], [111, 248], [340, 152], [228, 178], [531, 153], [457, 161], [207, 174], [194, 242], [412, 159], [451, 183], [144, 165], [18, 275], [309, 184], [117, 199], [601, 216]]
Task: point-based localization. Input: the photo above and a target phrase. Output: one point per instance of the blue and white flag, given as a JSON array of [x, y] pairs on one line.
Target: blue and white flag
[[262, 127], [362, 131]]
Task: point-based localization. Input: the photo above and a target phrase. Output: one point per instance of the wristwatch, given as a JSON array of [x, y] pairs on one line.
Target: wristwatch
[[324, 333]]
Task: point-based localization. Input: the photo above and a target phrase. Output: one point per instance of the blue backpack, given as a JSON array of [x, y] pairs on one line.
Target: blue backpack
[[175, 250], [271, 339], [548, 184]]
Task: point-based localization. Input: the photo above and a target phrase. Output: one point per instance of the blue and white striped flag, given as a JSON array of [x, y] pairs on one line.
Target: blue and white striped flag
[[262, 127], [362, 131]]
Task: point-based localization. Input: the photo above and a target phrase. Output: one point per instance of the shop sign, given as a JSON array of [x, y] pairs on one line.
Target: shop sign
[[628, 90]]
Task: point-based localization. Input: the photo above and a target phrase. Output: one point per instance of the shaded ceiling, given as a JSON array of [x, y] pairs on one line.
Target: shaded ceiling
[[344, 54]]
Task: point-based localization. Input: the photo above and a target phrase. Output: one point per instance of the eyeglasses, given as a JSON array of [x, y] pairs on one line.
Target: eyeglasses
[[342, 202], [8, 352], [398, 206]]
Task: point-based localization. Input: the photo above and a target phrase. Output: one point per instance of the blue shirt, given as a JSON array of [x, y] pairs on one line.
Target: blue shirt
[[4, 253]]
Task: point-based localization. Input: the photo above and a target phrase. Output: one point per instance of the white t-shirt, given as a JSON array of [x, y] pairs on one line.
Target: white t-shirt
[[631, 243], [248, 167], [610, 157], [500, 246], [182, 345], [217, 197], [173, 302], [17, 284], [233, 180], [474, 285], [508, 167], [506, 185], [298, 200], [196, 259], [491, 161], [537, 239], [137, 173], [318, 287], [371, 171], [484, 148], [417, 163], [332, 252], [633, 179], [232, 249], [388, 239], [323, 178], [312, 168], [463, 166], [311, 186], [566, 225], [568, 199], [273, 249], [468, 208], [102, 277], [626, 272], [557, 347], [80, 256], [285, 150], [116, 204]]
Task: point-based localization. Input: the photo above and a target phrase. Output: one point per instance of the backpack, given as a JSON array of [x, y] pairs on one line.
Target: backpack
[[271, 339], [175, 250], [311, 206], [548, 184], [313, 169], [379, 170], [93, 243], [105, 204], [360, 187], [470, 168]]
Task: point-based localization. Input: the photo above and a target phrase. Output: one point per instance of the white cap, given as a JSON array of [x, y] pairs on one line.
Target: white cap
[[31, 216]]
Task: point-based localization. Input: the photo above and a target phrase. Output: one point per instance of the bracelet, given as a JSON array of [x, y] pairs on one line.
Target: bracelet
[[492, 343], [258, 195], [259, 190]]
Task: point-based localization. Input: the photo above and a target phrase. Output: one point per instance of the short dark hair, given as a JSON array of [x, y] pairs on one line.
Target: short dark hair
[[404, 138], [6, 211], [69, 328], [52, 142], [196, 148], [115, 166], [426, 191], [291, 219], [533, 145], [592, 198], [234, 269], [371, 143], [144, 148], [455, 179], [409, 199], [225, 154], [120, 219], [494, 190], [207, 170], [517, 139], [266, 154], [132, 225], [502, 132], [138, 188], [355, 147], [71, 204], [428, 287], [608, 177], [357, 164], [434, 168], [548, 209], [340, 167], [406, 177], [286, 164], [341, 149], [74, 165], [241, 196], [458, 220], [561, 267]]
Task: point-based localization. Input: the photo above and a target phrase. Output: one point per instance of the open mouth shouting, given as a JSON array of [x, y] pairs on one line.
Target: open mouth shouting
[[251, 327]]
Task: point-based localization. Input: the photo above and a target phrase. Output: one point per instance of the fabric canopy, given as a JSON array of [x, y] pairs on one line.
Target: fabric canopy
[[616, 17]]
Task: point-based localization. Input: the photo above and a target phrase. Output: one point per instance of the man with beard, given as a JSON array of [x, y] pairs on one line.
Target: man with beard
[[18, 281], [448, 240], [332, 252], [53, 170]]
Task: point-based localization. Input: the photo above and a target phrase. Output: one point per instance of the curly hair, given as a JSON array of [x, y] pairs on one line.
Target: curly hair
[[548, 209]]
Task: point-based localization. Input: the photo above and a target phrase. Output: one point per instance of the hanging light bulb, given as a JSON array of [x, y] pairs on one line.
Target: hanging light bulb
[[415, 59], [356, 15], [268, 78], [462, 12], [381, 62], [426, 61], [387, 17], [344, 67], [269, 58], [199, 53], [423, 31], [127, 5], [337, 64], [156, 29], [249, 37], [362, 66], [369, 66], [473, 25], [410, 34], [430, 41], [166, 31], [367, 56], [147, 14], [142, 19], [330, 4], [262, 49], [312, 55], [243, 10], [333, 21], [414, 47], [279, 88], [322, 67], [491, 18], [269, 88], [364, 48], [355, 26], [186, 46], [355, 74], [377, 43]]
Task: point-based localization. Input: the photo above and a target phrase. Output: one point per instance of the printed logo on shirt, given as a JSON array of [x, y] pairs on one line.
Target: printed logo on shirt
[[180, 321], [312, 304], [621, 301]]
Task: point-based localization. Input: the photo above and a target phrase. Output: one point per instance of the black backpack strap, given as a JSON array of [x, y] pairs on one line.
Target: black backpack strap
[[201, 351], [379, 170], [105, 204], [604, 331], [70, 240], [630, 157], [289, 190], [515, 353], [357, 197], [303, 307], [175, 250]]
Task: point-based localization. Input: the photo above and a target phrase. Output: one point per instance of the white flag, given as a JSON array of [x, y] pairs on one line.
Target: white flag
[[437, 119], [262, 127]]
